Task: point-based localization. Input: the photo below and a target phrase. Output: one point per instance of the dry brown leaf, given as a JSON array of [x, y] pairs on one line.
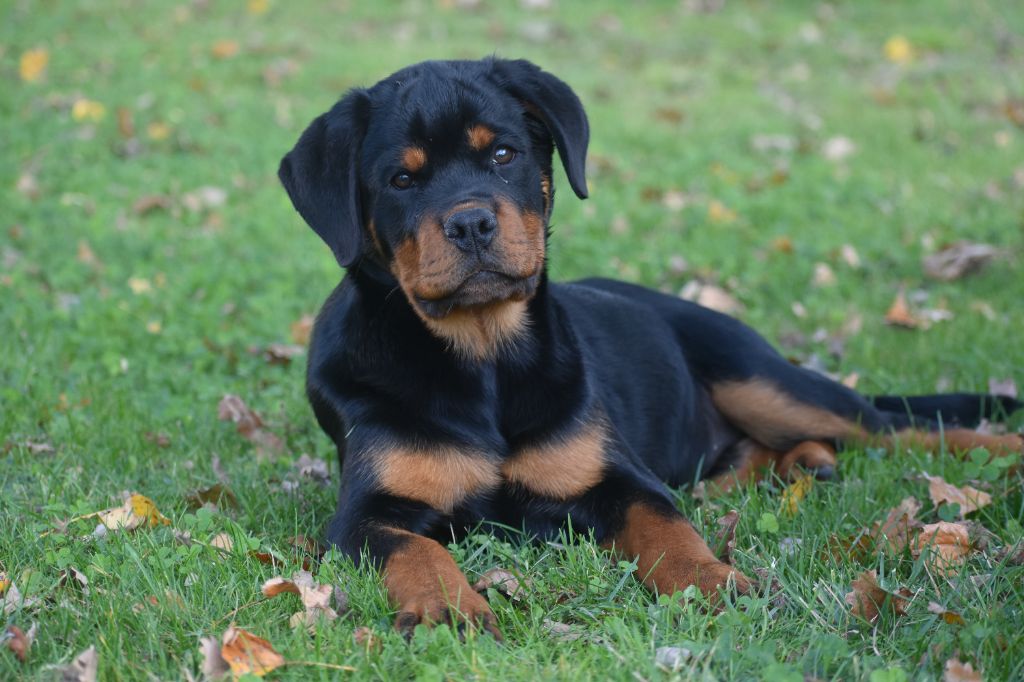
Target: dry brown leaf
[[250, 426], [969, 499], [948, 616], [725, 536], [560, 631], [217, 494], [225, 48], [957, 671], [313, 469], [502, 580], [222, 542], [282, 353], [899, 314], [868, 599], [11, 598], [19, 643], [366, 638], [301, 329], [152, 202], [83, 668], [947, 545], [894, 533], [958, 260], [214, 666], [248, 654], [316, 598], [72, 576], [1012, 554], [711, 296]]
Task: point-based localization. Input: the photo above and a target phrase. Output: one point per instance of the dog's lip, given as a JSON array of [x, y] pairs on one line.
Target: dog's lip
[[506, 286]]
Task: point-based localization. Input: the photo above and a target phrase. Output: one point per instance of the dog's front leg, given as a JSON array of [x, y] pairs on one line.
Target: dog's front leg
[[670, 554], [384, 515]]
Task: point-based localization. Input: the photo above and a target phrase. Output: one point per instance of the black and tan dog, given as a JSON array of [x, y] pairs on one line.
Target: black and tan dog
[[461, 386]]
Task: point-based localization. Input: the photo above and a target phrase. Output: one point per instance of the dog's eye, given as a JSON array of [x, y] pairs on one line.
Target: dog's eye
[[503, 155], [401, 181]]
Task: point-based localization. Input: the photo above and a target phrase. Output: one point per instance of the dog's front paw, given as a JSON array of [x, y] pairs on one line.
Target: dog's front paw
[[467, 609]]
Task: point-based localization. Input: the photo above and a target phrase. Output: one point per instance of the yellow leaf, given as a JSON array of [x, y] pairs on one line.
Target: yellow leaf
[[33, 64], [248, 654], [720, 213], [87, 110], [158, 131], [796, 491], [154, 327], [144, 507], [898, 50], [139, 285], [258, 7]]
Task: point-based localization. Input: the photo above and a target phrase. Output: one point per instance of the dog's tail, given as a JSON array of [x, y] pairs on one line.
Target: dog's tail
[[953, 409]]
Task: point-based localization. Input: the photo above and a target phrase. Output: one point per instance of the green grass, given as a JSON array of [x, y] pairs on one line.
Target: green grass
[[937, 159]]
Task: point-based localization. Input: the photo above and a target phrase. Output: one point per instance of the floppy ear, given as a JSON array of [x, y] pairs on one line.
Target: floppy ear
[[560, 109], [322, 179]]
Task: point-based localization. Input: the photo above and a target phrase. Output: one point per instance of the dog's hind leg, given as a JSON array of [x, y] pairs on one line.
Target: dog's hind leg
[[752, 461]]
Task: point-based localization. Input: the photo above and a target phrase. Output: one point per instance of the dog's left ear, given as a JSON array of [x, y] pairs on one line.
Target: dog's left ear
[[559, 108], [322, 177]]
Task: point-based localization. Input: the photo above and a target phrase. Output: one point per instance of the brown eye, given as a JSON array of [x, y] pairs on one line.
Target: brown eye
[[401, 181], [503, 155]]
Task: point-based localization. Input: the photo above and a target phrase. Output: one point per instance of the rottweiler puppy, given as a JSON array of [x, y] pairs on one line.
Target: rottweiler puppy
[[460, 385]]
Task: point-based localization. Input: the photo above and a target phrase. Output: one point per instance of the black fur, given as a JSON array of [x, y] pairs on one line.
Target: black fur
[[642, 361]]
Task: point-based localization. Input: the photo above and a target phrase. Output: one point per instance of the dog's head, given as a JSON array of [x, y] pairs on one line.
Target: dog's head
[[441, 174]]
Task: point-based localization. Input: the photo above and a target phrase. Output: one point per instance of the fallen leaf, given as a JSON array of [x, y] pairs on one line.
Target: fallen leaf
[[12, 599], [958, 260], [899, 314], [316, 598], [711, 296], [898, 50], [140, 285], [501, 580], [725, 536], [74, 577], [250, 426], [151, 202], [214, 666], [19, 642], [720, 213], [28, 185], [795, 492], [257, 7], [87, 110], [158, 130], [366, 638], [850, 256], [301, 329], [83, 668], [1003, 387], [222, 542], [969, 499], [823, 275], [224, 48], [868, 599], [838, 148], [946, 544], [894, 532], [560, 631], [33, 63], [137, 510], [125, 123], [671, 657], [313, 469], [282, 353], [957, 671], [248, 654], [1012, 554], [948, 616], [217, 494], [205, 198]]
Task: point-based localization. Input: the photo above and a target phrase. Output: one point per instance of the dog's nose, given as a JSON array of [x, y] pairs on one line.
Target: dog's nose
[[471, 229]]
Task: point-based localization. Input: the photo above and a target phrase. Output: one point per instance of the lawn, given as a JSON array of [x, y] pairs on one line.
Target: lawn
[[802, 157]]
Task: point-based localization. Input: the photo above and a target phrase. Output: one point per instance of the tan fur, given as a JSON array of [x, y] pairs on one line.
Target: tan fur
[[773, 418], [424, 583], [958, 441], [561, 469], [441, 477], [755, 461], [414, 159], [429, 266], [670, 554], [479, 332], [480, 137]]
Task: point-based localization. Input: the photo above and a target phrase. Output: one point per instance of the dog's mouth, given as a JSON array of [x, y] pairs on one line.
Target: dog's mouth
[[481, 288]]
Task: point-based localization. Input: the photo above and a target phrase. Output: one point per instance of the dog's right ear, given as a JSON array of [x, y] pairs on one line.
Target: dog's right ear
[[322, 177]]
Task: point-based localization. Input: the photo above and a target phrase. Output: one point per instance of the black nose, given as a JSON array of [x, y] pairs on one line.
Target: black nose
[[471, 229]]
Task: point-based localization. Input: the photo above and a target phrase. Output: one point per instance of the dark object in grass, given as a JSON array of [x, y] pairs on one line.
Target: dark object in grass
[[461, 385]]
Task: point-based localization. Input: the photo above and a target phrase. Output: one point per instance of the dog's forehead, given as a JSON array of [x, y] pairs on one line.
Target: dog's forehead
[[434, 106]]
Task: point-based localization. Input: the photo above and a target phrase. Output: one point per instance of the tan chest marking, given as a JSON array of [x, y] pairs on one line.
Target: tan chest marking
[[564, 468], [440, 477]]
